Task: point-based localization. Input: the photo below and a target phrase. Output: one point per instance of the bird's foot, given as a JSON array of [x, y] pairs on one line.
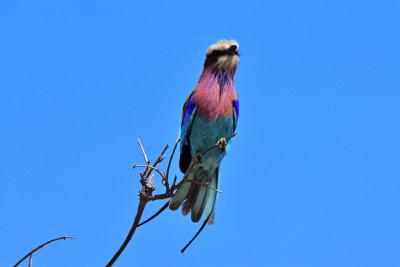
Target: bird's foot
[[222, 143], [197, 159]]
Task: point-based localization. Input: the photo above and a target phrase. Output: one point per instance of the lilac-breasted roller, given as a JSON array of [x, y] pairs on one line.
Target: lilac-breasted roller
[[210, 113]]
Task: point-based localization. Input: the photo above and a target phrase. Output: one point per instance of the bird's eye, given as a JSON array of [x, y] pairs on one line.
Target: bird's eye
[[218, 53]]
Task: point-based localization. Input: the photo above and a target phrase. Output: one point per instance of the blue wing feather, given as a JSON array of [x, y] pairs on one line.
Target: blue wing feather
[[235, 113], [189, 111]]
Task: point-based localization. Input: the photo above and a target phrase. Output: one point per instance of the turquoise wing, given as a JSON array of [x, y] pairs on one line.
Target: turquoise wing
[[188, 113]]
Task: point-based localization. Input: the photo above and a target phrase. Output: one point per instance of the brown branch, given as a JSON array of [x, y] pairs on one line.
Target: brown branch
[[158, 160], [142, 205], [217, 144], [201, 184], [145, 195], [172, 155], [144, 155], [39, 247], [197, 160], [151, 167]]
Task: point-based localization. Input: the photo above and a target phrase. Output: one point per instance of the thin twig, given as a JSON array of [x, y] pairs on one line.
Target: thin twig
[[144, 155], [184, 177], [197, 160], [216, 145], [172, 155], [201, 184], [42, 245], [158, 160], [173, 184], [151, 167]]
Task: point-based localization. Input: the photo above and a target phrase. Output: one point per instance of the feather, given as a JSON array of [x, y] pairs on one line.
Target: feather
[[191, 197], [210, 207], [180, 196], [212, 199], [188, 113], [235, 113], [198, 206]]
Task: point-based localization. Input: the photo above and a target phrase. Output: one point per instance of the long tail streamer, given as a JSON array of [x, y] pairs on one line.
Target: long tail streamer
[[198, 232]]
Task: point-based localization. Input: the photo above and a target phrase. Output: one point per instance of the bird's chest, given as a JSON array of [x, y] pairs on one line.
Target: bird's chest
[[204, 134], [215, 103]]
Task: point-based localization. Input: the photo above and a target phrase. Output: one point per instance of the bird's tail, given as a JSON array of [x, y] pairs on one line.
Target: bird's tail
[[197, 199]]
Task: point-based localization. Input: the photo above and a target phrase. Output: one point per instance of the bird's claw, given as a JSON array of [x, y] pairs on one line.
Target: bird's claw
[[197, 158], [222, 143]]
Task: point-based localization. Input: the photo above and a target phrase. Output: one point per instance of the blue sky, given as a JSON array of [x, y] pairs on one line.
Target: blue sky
[[312, 179]]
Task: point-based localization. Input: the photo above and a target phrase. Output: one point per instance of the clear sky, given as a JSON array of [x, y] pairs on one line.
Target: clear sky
[[312, 179]]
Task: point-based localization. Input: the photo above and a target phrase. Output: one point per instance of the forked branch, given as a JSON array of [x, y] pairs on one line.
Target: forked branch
[[146, 194], [42, 245]]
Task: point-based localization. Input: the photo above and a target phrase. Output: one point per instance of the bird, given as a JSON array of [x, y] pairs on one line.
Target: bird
[[210, 115]]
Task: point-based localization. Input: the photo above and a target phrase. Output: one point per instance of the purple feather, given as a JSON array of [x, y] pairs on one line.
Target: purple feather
[[189, 109]]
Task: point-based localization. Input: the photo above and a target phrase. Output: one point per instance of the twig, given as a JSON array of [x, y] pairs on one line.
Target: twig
[[145, 195], [185, 176], [205, 185], [216, 145], [158, 160], [151, 167], [172, 155], [144, 155], [42, 245]]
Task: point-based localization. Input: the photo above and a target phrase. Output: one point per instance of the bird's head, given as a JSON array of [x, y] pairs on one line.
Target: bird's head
[[223, 55]]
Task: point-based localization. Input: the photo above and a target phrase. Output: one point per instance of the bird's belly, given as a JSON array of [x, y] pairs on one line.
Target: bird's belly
[[205, 134]]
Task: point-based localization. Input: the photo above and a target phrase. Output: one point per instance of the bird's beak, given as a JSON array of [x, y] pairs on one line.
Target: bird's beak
[[232, 49]]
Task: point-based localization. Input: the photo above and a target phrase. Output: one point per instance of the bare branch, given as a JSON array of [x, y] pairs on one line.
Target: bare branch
[[201, 184], [172, 155], [145, 195], [158, 160], [151, 167], [144, 153], [42, 245], [145, 157], [142, 205], [216, 145]]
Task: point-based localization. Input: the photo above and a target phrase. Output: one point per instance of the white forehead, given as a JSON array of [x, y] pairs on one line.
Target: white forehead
[[221, 46]]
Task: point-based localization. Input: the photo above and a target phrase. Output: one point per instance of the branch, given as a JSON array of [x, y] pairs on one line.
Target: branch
[[151, 167], [158, 160], [205, 185], [172, 155], [217, 144], [145, 195], [144, 153], [39, 247], [142, 205]]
